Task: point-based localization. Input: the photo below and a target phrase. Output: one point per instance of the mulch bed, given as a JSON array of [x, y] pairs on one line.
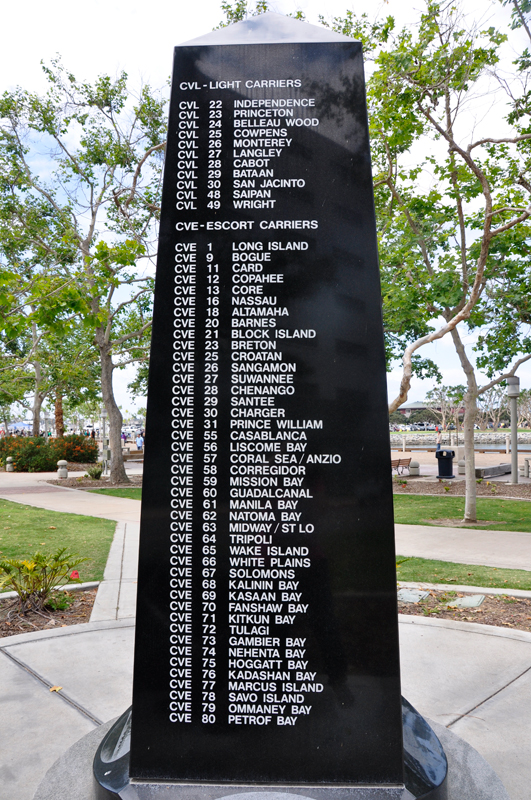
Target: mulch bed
[[409, 485], [103, 483], [79, 611], [499, 610], [503, 611], [73, 466]]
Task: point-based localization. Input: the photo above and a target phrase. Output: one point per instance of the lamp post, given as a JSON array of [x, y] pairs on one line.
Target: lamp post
[[513, 392], [103, 418]]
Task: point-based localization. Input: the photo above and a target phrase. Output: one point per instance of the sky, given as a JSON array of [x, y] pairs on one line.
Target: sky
[[105, 36]]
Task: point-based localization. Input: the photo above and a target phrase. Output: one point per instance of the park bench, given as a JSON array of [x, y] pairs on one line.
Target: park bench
[[400, 464]]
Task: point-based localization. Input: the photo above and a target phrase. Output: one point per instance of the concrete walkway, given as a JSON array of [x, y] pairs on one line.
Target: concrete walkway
[[476, 681], [473, 679], [470, 678], [116, 598], [91, 663], [507, 549], [32, 489]]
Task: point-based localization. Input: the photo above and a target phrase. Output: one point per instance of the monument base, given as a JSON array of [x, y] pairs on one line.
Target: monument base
[[176, 791], [425, 771], [470, 777]]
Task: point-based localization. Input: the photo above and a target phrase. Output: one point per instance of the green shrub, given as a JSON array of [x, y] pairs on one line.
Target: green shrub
[[29, 455], [80, 449], [95, 472], [37, 454], [34, 578], [59, 601]]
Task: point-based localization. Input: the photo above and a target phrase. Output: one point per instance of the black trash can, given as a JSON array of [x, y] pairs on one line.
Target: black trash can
[[446, 465]]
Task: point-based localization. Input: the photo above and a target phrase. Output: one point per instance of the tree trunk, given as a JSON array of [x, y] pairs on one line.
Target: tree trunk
[[59, 419], [36, 414], [38, 395], [468, 425], [118, 473], [38, 400]]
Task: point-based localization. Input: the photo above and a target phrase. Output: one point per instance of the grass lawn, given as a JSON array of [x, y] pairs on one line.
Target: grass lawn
[[130, 494], [496, 514], [424, 570], [25, 530]]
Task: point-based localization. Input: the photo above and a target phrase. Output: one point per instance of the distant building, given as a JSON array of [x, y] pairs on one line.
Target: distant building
[[408, 408]]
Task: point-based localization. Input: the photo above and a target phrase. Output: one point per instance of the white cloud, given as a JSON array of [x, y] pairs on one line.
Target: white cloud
[[107, 36]]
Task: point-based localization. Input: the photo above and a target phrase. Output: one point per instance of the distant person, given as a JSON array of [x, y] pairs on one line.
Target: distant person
[[93, 434], [439, 437], [139, 442]]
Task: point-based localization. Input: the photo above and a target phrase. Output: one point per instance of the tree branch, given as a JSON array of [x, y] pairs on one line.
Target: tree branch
[[136, 334], [141, 163], [506, 375], [488, 140], [522, 218], [516, 4]]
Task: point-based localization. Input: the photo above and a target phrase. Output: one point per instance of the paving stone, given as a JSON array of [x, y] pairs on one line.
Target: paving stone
[[412, 595], [469, 601]]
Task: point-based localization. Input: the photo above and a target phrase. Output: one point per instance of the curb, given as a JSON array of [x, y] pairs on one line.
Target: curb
[[70, 630], [68, 587], [446, 587], [481, 497], [466, 627]]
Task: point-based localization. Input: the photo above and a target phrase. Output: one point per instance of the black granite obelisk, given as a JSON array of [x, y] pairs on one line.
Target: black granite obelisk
[[266, 645]]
